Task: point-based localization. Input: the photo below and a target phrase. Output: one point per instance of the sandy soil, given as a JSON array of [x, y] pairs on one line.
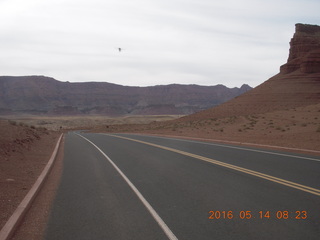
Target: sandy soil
[[57, 123], [24, 151]]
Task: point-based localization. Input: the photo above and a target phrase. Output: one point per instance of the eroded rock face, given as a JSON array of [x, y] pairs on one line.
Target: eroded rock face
[[297, 85], [304, 52]]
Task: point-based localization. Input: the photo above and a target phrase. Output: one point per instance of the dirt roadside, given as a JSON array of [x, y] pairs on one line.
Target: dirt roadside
[[290, 128], [24, 152], [33, 226]]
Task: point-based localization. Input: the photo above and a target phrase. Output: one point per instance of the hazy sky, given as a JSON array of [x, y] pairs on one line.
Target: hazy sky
[[204, 42]]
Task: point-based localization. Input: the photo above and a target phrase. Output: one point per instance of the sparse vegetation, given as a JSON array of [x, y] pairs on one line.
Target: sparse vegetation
[[14, 123], [279, 128]]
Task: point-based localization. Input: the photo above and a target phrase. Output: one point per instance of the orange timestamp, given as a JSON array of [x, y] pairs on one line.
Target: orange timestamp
[[299, 215]]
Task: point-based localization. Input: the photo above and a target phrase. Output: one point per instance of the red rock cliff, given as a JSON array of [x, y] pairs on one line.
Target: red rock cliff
[[297, 84], [304, 52]]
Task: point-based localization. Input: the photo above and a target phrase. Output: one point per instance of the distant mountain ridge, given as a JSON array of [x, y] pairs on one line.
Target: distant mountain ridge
[[45, 95]]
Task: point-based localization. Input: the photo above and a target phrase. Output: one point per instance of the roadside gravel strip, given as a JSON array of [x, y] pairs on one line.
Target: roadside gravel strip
[[9, 228]]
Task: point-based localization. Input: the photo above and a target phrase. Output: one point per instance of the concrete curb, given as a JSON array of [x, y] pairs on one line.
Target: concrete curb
[[11, 225]]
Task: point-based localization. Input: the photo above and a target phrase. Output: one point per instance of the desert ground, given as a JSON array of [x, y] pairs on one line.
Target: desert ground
[[24, 151], [67, 123], [291, 128]]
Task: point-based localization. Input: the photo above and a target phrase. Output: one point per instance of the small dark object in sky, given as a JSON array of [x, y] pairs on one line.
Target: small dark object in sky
[[119, 49]]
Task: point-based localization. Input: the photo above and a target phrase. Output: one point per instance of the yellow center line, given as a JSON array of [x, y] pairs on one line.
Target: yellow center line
[[234, 167]]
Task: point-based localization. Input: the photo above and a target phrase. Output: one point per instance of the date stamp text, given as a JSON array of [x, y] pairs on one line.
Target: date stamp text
[[298, 215]]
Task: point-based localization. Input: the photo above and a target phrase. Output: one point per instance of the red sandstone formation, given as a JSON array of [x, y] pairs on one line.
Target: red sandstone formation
[[297, 84], [304, 50]]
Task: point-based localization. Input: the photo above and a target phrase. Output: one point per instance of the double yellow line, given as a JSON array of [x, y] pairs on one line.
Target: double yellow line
[[301, 187]]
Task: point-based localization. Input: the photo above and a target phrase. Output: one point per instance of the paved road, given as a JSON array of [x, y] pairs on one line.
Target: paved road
[[142, 187]]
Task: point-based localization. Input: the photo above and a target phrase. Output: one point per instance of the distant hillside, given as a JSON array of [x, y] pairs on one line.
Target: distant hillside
[[297, 84], [44, 95]]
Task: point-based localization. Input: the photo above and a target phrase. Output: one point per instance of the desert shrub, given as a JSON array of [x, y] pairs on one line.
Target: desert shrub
[[14, 123]]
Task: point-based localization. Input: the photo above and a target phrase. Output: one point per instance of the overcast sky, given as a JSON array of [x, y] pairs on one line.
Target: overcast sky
[[205, 42]]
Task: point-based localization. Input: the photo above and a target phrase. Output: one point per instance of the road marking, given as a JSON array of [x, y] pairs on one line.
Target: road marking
[[154, 214], [239, 148], [230, 166], [235, 142]]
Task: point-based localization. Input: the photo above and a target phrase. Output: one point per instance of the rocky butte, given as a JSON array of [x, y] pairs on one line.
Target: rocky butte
[[304, 50], [296, 85]]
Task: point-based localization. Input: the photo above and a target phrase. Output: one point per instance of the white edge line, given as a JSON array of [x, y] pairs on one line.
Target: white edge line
[[8, 229], [227, 146], [154, 214]]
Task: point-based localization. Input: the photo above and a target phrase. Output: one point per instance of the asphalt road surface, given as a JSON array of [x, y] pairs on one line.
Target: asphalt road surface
[[143, 187]]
